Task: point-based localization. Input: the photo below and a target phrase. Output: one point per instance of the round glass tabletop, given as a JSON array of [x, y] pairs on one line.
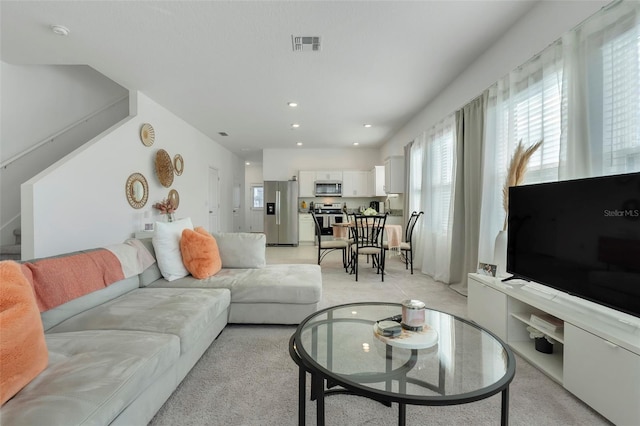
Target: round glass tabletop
[[452, 361]]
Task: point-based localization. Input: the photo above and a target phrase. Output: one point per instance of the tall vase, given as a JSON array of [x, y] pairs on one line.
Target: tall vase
[[500, 253]]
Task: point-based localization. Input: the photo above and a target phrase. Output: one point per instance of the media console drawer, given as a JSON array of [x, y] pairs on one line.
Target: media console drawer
[[597, 352], [604, 375]]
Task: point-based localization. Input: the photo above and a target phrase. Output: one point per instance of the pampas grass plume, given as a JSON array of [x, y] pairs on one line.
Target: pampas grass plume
[[516, 171]]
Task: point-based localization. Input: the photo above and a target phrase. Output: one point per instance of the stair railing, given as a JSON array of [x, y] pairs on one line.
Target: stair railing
[[51, 138]]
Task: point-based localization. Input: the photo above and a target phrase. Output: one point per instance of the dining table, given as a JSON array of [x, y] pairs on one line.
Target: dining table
[[393, 234]]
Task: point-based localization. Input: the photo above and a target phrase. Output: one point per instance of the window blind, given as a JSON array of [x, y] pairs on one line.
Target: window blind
[[621, 103]]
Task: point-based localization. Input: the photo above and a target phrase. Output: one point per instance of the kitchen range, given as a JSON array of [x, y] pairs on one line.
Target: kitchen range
[[327, 215]]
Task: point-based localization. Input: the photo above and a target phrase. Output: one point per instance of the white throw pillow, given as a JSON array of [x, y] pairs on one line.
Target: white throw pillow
[[242, 249], [166, 243]]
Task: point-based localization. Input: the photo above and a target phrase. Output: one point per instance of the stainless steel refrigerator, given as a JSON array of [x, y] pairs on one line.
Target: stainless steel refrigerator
[[281, 212]]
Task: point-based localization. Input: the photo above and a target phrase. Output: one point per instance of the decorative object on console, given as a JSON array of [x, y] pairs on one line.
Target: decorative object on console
[[166, 243], [542, 343], [137, 190], [166, 207], [547, 322], [500, 253], [147, 134], [516, 172], [23, 350], [200, 253], [515, 176], [164, 168], [178, 164]]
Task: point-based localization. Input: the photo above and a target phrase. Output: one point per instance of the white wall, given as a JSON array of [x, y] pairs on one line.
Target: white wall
[[544, 24], [80, 201], [37, 102], [40, 100], [282, 164]]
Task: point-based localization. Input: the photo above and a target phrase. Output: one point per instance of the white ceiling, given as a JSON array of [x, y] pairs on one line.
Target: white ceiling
[[229, 66]]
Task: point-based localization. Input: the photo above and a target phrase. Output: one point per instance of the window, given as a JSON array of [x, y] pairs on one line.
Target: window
[[534, 112], [257, 197], [621, 104], [440, 169]]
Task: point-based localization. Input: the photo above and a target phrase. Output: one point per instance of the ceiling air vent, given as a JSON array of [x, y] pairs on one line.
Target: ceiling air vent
[[305, 44]]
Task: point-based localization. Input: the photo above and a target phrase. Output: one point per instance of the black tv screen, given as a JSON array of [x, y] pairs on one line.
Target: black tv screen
[[579, 236]]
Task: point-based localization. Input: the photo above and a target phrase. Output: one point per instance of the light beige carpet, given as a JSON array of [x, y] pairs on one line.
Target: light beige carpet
[[247, 378]]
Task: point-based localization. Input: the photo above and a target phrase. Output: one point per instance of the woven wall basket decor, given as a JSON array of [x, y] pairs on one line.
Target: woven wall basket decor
[[147, 134], [164, 168]]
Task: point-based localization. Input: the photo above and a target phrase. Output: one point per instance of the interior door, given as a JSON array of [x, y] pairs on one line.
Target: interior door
[[237, 217], [214, 200]]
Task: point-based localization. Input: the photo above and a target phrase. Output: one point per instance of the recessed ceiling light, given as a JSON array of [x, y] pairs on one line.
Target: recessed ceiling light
[[367, 125], [60, 30], [247, 163], [295, 125], [223, 133], [356, 144], [299, 143], [292, 104]]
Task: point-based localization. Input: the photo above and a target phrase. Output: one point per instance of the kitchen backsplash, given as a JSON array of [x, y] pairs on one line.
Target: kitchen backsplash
[[395, 203]]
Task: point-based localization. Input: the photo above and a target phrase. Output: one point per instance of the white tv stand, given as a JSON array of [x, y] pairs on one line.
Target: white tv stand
[[597, 355]]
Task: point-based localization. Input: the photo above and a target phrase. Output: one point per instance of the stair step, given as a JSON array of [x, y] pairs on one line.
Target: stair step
[[11, 249], [10, 252]]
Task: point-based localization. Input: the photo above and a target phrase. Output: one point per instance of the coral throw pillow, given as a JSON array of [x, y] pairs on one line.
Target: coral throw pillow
[[200, 253], [23, 350]]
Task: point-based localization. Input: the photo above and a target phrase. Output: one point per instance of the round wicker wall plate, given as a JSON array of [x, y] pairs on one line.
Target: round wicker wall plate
[[147, 134], [174, 197], [137, 190], [164, 168]]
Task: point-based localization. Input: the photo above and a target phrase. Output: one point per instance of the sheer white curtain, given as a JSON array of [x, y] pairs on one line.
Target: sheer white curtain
[[523, 106], [581, 95], [602, 94], [430, 190]]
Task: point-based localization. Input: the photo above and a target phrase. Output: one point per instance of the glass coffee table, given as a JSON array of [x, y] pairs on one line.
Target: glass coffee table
[[451, 361]]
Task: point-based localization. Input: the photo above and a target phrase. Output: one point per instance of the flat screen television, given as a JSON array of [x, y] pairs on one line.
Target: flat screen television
[[579, 236]]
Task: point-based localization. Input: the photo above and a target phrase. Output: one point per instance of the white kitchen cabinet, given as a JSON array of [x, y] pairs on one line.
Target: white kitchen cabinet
[[306, 228], [394, 175], [376, 182], [329, 175], [355, 183], [306, 187], [596, 355]]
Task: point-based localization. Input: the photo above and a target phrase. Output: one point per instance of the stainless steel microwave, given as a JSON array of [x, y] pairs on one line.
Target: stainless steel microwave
[[328, 188]]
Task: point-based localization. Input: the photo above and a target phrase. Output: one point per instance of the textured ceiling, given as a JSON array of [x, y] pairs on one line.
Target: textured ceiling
[[230, 66]]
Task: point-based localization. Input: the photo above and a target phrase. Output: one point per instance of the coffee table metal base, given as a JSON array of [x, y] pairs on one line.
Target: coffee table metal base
[[318, 392]]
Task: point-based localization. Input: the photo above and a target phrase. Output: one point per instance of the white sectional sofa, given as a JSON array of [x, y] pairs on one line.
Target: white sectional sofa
[[260, 293], [117, 353]]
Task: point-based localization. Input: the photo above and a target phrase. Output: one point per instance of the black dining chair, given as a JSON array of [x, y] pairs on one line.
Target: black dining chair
[[406, 247], [367, 235], [327, 246]]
